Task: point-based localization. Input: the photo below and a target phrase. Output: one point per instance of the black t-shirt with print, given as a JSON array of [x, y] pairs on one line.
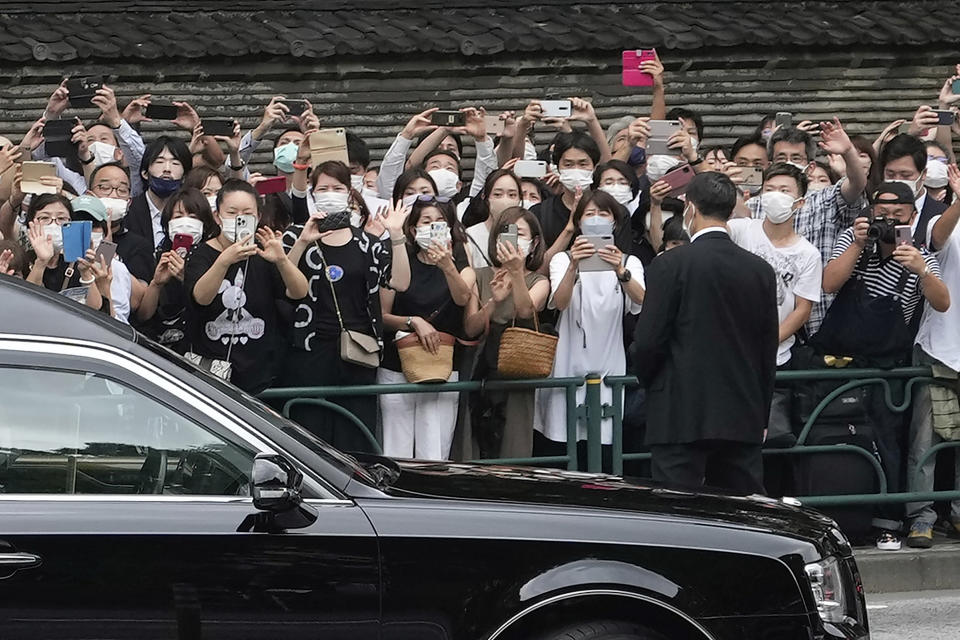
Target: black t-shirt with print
[[554, 216], [244, 311], [358, 270]]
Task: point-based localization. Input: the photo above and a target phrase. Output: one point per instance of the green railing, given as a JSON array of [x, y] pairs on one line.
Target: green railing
[[593, 411]]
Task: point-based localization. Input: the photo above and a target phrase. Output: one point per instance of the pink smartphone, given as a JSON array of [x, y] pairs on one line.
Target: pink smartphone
[[679, 179], [904, 234], [182, 243], [632, 76]]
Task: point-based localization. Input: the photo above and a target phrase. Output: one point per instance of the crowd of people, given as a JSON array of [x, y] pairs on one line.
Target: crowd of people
[[331, 279]]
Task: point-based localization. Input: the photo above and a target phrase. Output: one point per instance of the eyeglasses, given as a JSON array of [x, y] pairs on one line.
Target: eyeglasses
[[105, 190], [45, 220], [426, 197]]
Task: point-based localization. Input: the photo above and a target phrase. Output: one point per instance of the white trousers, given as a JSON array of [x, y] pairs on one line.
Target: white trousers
[[417, 425]]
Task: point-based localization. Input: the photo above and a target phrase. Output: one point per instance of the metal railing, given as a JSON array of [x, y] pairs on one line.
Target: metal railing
[[592, 411]]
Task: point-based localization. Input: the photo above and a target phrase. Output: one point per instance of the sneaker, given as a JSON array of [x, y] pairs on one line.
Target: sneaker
[[888, 541], [920, 536], [953, 529]]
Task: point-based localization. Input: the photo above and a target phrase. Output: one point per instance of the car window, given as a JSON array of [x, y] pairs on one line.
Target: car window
[[79, 433]]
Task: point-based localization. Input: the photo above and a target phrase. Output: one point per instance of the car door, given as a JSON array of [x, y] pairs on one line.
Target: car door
[[120, 504]]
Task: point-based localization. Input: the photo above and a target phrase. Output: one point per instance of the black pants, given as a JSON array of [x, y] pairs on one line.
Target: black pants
[[889, 435], [735, 467], [323, 367]]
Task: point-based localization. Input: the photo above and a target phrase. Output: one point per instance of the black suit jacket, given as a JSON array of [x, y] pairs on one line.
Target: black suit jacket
[[931, 209], [706, 343], [138, 220]]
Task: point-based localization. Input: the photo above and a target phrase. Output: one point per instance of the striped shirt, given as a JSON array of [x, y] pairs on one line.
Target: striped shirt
[[824, 215], [881, 276]]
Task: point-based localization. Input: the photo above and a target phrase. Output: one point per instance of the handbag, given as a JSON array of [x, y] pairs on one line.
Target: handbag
[[526, 353], [419, 365], [356, 347]]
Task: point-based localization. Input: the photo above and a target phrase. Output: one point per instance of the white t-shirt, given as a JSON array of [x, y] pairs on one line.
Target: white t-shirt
[[120, 289], [939, 333], [479, 237], [798, 269]]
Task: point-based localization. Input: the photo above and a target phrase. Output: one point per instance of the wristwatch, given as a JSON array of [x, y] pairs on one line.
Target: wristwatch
[[240, 168], [926, 271], [625, 276], [699, 160], [410, 323]]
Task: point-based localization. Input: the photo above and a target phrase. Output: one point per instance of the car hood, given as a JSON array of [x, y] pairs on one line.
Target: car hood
[[530, 485]]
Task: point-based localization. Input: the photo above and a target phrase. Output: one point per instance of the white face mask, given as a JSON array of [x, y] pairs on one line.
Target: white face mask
[[96, 237], [116, 207], [356, 220], [212, 201], [424, 237], [529, 151], [695, 142], [777, 207], [499, 205], [356, 182], [410, 199], [573, 178], [186, 226], [936, 175], [620, 192], [102, 153], [331, 201], [802, 167], [56, 235], [529, 204], [446, 182], [523, 246], [913, 184], [817, 186], [369, 193], [228, 226], [658, 165]]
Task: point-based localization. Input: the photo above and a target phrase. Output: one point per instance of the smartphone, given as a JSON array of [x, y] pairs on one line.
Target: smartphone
[[555, 108], [944, 117], [956, 86], [217, 127], [246, 227], [679, 178], [508, 235], [76, 239], [595, 262], [272, 185], [530, 168], [108, 250], [57, 136], [903, 234], [660, 133], [632, 76], [296, 107], [784, 119], [32, 172], [904, 128], [494, 125], [328, 144], [160, 111], [448, 118], [82, 89], [752, 177], [440, 233], [182, 243]]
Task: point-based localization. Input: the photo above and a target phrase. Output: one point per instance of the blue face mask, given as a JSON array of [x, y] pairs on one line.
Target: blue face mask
[[596, 226], [283, 157], [164, 187], [638, 156]]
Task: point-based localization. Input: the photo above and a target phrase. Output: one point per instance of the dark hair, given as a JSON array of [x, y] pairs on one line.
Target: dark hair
[[831, 174], [95, 223], [194, 202], [234, 185], [176, 146], [479, 208], [902, 146], [444, 152], [357, 150], [410, 176], [341, 173], [18, 261], [784, 169], [716, 148], [93, 174], [290, 128], [865, 145], [449, 211], [42, 200], [673, 232], [456, 138], [687, 114], [771, 118], [792, 135], [604, 202], [935, 143], [198, 176], [510, 216], [714, 195], [538, 184], [623, 168], [575, 140], [746, 141]]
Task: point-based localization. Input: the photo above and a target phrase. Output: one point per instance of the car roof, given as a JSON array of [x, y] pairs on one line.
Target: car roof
[[29, 310]]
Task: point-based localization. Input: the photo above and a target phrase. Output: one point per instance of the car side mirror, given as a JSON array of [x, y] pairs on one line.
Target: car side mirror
[[275, 484]]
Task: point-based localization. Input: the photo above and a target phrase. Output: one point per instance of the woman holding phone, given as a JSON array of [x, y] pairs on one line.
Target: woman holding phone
[[593, 286], [233, 283], [508, 292], [421, 425]]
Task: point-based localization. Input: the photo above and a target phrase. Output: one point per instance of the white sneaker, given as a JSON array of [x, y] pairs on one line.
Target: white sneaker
[[888, 542]]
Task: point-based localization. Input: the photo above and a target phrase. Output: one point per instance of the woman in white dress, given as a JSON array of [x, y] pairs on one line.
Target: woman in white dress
[[593, 285]]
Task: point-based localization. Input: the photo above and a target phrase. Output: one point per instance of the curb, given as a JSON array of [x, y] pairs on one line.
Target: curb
[[910, 569]]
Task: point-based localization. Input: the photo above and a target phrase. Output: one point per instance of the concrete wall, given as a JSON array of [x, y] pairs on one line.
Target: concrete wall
[[866, 88]]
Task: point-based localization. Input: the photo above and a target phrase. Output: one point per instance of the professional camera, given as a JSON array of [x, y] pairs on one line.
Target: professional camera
[[881, 229]]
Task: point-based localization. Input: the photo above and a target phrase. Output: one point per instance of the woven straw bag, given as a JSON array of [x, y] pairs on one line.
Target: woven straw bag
[[419, 365], [526, 353]]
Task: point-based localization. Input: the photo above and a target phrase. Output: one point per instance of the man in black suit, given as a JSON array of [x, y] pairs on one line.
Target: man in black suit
[[706, 348]]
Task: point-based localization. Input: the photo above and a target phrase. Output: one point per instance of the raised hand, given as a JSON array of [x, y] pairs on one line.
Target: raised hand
[[659, 191], [272, 250], [581, 250], [136, 110], [274, 112], [9, 156], [653, 67], [82, 140], [638, 131], [953, 177], [41, 242], [58, 101], [187, 117], [501, 286], [394, 216], [475, 125], [106, 100], [232, 142], [33, 137], [947, 96], [419, 124], [6, 257], [581, 110], [911, 258], [308, 120], [923, 119], [510, 257], [833, 139]]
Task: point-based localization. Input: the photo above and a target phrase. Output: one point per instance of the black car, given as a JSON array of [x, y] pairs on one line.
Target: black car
[[142, 498]]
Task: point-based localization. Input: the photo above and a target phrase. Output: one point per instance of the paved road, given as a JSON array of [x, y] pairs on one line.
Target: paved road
[[920, 615]]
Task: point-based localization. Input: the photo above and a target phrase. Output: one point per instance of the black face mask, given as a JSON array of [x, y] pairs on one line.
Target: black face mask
[[882, 230]]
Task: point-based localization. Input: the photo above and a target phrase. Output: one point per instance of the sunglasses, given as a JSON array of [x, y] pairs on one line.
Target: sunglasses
[[428, 198]]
